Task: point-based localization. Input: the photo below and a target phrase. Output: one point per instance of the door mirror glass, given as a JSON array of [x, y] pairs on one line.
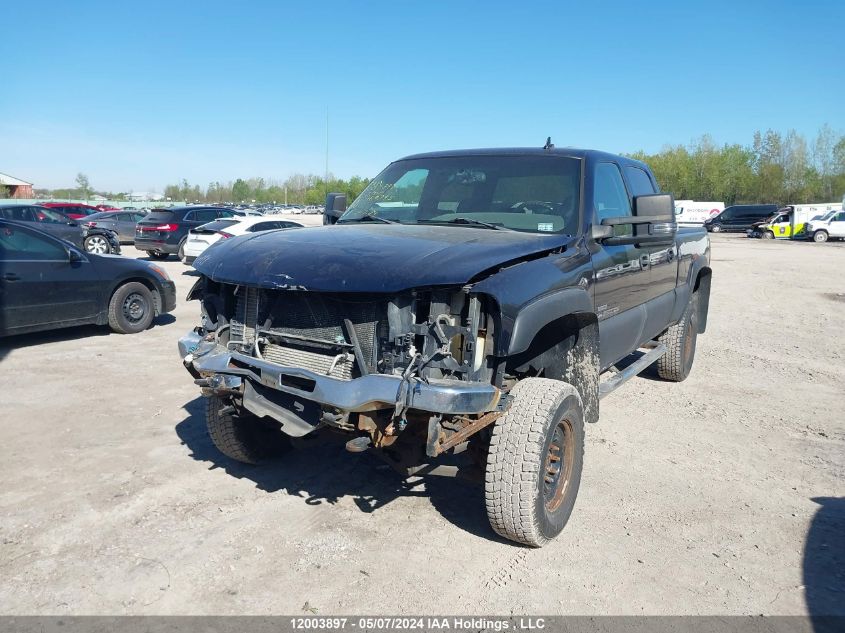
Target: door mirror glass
[[657, 205]]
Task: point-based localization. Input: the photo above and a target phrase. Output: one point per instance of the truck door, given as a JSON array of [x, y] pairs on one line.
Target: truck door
[[837, 225], [662, 261], [781, 226], [621, 272]]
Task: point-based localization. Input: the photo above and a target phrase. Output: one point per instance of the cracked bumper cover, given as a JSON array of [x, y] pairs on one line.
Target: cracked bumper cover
[[367, 393]]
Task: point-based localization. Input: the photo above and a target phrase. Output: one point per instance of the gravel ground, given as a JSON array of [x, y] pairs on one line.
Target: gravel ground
[[724, 494]]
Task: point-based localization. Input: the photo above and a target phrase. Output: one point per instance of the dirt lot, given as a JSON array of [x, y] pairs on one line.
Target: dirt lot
[[724, 494]]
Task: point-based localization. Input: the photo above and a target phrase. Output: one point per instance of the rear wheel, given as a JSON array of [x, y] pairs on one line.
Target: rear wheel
[[820, 236], [181, 253], [158, 255], [96, 244], [131, 309], [534, 462], [241, 436], [680, 339]]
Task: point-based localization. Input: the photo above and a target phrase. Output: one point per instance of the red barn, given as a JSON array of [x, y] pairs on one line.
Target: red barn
[[15, 187]]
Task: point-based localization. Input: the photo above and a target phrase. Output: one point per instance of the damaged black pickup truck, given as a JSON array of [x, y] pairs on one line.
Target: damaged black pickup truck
[[472, 302]]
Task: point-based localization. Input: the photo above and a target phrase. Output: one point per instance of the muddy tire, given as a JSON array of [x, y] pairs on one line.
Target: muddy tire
[[243, 438], [680, 340], [131, 308], [534, 462]]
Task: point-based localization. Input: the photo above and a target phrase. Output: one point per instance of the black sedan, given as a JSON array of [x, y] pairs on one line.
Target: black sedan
[[46, 283]]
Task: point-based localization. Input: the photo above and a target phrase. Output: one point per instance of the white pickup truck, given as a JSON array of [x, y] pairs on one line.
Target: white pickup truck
[[831, 224]]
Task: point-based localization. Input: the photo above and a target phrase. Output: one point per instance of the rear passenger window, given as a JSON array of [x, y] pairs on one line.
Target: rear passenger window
[[610, 199], [263, 226], [204, 215], [639, 181], [21, 214]]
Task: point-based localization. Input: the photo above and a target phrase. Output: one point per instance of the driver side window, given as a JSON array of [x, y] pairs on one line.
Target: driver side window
[[18, 244], [610, 198]]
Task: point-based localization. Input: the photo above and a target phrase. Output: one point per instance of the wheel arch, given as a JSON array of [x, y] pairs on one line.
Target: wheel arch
[[702, 287], [565, 348]]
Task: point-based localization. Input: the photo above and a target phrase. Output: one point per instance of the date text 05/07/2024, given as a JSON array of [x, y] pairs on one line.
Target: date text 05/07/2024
[[418, 623]]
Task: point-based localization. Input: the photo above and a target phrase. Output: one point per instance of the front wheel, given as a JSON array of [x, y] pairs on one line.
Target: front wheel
[[534, 462], [97, 244], [131, 309], [768, 235], [820, 236], [715, 228], [241, 436]]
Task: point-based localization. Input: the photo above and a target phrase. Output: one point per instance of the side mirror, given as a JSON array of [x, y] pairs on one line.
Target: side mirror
[[335, 207], [602, 232], [72, 223], [73, 256], [653, 222], [655, 205]]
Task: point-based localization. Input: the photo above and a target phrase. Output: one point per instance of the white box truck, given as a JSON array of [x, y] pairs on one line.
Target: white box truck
[[693, 212]]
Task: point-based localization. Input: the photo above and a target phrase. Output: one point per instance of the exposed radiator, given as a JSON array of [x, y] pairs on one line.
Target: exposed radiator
[[242, 326], [305, 315], [317, 362]]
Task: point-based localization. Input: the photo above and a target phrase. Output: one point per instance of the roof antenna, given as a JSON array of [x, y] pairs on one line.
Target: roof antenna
[[549, 144]]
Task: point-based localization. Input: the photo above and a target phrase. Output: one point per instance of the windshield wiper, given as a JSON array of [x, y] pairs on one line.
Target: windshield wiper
[[368, 218], [495, 227]]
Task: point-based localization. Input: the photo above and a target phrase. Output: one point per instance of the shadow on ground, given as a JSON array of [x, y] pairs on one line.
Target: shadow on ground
[[21, 341], [324, 472], [824, 564]]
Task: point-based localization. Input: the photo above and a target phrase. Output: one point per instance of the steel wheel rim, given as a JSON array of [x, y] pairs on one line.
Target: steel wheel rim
[[134, 308], [97, 245], [557, 465]]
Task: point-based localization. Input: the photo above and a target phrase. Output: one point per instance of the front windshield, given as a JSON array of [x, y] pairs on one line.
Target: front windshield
[[521, 193]]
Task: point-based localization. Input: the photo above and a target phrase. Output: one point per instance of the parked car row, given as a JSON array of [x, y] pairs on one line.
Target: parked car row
[[768, 221]]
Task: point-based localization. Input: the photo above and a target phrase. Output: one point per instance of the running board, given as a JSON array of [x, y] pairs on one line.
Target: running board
[[656, 350]]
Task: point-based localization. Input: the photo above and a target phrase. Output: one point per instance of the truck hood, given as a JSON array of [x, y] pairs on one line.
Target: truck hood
[[370, 257]]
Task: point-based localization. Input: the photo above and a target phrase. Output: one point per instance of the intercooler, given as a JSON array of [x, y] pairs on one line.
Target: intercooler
[[307, 330]]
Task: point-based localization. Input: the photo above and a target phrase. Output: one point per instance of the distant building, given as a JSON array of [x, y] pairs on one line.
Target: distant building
[[16, 187], [141, 196]]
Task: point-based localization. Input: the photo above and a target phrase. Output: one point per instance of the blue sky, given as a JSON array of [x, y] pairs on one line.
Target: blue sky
[[141, 95]]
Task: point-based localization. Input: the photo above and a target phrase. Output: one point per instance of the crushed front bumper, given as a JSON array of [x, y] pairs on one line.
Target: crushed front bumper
[[226, 370]]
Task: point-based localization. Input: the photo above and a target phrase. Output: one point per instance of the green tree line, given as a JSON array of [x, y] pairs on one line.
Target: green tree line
[[773, 168], [297, 189]]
